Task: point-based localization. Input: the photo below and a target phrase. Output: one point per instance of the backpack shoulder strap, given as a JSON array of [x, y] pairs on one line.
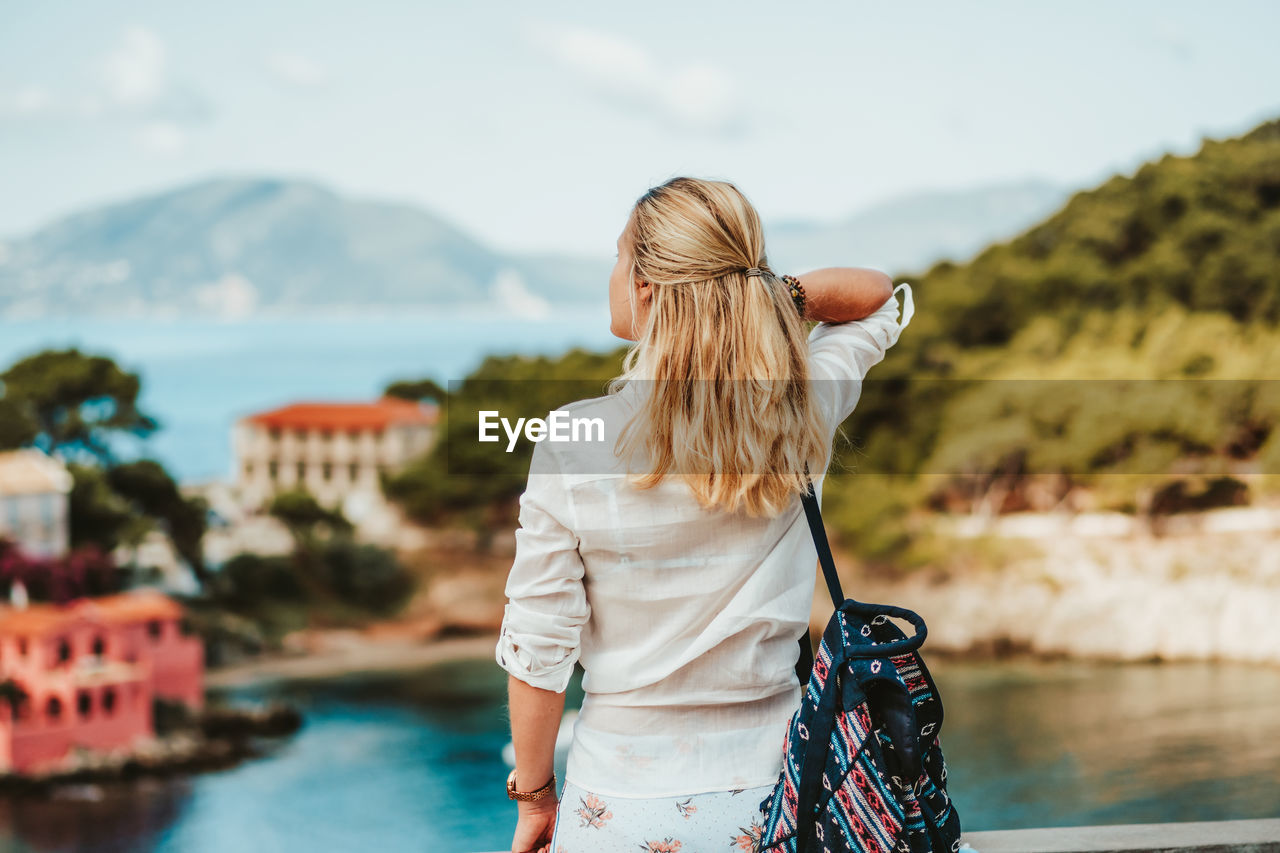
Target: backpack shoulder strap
[[819, 531]]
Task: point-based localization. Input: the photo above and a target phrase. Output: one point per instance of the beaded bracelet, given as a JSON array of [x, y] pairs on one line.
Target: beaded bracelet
[[796, 290]]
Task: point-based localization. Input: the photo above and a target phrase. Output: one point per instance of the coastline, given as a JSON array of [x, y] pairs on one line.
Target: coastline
[[356, 657]]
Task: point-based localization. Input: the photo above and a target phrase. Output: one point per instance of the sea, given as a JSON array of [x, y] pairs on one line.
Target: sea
[[198, 375], [412, 761]]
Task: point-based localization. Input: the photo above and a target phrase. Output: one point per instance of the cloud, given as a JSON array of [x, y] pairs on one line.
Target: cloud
[[512, 296], [32, 99], [1173, 38], [161, 137], [132, 86], [134, 72], [296, 70], [232, 296], [696, 96]]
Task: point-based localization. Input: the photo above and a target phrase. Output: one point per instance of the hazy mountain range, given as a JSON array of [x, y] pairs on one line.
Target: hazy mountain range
[[238, 246]]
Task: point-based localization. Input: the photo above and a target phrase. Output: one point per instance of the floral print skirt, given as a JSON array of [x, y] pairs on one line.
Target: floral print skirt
[[697, 823]]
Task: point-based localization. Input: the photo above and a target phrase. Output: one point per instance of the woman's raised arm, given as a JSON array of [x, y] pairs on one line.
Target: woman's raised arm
[[841, 294]]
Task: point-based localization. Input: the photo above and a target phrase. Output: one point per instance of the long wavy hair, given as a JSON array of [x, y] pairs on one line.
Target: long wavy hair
[[730, 409]]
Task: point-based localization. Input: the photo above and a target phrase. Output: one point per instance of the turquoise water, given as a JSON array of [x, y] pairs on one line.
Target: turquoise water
[[411, 761], [198, 376]]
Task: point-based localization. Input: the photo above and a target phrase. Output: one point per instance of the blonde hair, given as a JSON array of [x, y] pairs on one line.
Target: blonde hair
[[731, 410]]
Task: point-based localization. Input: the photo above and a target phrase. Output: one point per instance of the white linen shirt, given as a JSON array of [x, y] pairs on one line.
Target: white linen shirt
[[685, 620]]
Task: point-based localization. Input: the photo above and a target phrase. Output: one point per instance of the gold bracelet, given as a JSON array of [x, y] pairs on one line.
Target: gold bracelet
[[536, 794]]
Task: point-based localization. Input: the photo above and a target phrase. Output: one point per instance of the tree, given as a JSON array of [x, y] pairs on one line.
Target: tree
[[153, 492], [17, 428], [98, 514], [73, 402], [460, 481], [306, 519], [69, 404], [417, 389], [310, 525]]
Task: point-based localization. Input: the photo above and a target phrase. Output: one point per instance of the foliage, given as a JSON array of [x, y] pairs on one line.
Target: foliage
[[150, 489], [85, 571], [70, 402], [361, 576], [247, 579], [364, 575], [462, 481], [306, 520], [1134, 331], [417, 390], [327, 568], [98, 514]]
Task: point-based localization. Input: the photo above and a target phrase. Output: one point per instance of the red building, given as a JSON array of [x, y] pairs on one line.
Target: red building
[[88, 671]]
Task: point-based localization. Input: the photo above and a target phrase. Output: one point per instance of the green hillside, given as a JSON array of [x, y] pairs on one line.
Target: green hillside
[[1134, 332]]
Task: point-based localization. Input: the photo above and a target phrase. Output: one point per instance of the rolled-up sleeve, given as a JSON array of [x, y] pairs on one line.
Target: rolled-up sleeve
[[842, 353], [547, 603]]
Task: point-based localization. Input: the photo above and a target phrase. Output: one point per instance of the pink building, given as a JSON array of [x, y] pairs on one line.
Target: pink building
[[89, 670]]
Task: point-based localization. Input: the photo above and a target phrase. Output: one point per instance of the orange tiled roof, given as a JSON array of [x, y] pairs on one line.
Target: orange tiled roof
[[377, 415], [121, 608]]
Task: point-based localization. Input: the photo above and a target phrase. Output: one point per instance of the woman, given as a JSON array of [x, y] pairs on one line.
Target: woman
[[683, 591]]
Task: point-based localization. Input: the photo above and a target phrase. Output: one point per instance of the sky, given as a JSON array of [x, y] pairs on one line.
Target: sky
[[535, 126]]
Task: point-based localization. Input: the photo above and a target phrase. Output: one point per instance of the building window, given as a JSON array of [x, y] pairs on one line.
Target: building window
[[53, 708], [248, 470], [64, 650], [155, 629], [22, 647], [84, 701], [99, 646], [355, 472], [302, 472], [326, 471], [273, 470], [275, 434], [109, 700]]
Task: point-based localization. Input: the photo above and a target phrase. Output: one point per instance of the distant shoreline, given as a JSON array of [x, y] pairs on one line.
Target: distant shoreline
[[367, 657]]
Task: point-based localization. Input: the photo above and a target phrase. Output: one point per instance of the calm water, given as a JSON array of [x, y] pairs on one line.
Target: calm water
[[198, 376], [412, 762]]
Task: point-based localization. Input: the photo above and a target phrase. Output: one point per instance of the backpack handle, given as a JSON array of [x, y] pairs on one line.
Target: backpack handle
[[849, 605]]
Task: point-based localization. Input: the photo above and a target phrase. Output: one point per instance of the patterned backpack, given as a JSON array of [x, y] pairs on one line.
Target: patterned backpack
[[862, 764]]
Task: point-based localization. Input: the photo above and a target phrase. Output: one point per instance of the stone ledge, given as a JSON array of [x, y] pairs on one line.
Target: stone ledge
[[1238, 836], [1228, 836]]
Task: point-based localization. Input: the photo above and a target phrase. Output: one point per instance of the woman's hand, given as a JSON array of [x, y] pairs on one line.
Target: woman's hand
[[534, 827]]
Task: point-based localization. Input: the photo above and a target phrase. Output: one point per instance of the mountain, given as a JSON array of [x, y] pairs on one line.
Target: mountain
[[1199, 233], [236, 246], [913, 231]]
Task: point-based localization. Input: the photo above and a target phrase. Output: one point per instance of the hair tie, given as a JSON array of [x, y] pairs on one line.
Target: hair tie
[[754, 271]]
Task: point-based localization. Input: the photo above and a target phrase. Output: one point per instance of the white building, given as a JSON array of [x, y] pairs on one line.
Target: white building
[[34, 490], [335, 451]]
